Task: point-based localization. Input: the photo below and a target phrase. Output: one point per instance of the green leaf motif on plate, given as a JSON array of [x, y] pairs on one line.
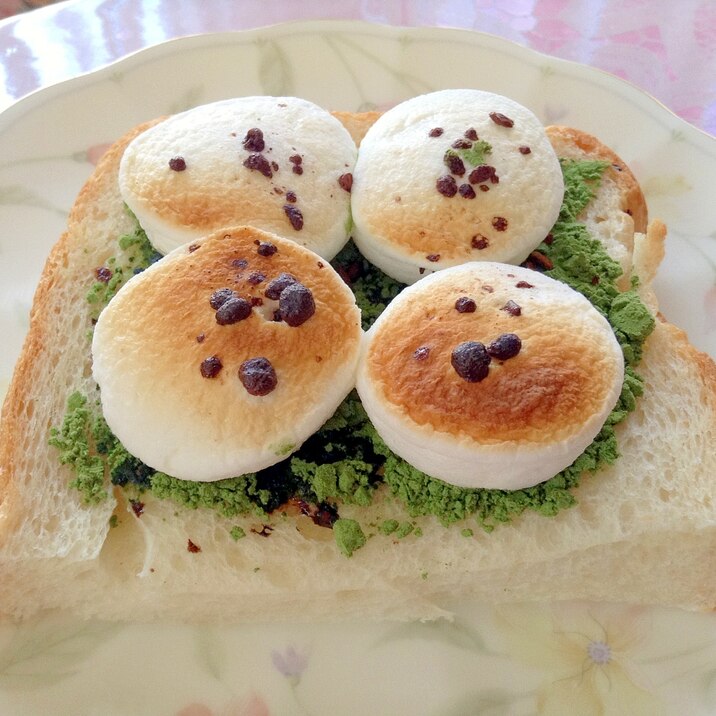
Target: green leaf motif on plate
[[274, 69], [48, 651], [18, 195], [210, 649], [449, 633], [491, 702]]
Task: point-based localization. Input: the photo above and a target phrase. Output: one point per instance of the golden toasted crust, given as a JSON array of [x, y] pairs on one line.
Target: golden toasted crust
[[560, 377], [40, 335], [566, 140], [357, 123]]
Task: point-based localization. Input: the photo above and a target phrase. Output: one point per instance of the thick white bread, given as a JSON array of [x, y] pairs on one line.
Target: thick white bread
[[621, 214], [168, 370], [526, 416], [424, 197], [239, 161], [643, 531]]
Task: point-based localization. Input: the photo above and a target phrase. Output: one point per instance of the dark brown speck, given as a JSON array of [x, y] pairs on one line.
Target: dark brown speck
[[512, 308], [254, 140], [220, 297], [256, 277], [266, 248], [296, 304], [499, 223], [471, 361], [433, 257], [465, 304], [103, 274], [466, 191], [258, 376], [210, 367], [454, 164], [177, 164], [525, 150], [506, 346], [446, 185], [232, 311], [295, 216], [191, 547], [501, 119], [421, 353], [435, 132], [346, 181], [258, 163], [291, 197], [275, 286], [479, 242]]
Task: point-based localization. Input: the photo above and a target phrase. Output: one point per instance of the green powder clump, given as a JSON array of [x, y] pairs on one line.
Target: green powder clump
[[349, 536]]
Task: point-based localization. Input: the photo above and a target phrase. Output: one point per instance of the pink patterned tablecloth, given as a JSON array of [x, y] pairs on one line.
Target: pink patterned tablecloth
[[666, 48]]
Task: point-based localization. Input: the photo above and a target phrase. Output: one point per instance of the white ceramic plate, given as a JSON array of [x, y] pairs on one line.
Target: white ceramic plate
[[584, 657]]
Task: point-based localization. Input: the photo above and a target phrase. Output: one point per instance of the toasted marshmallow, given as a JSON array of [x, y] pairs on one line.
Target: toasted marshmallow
[[454, 176], [509, 415], [271, 162], [203, 389]]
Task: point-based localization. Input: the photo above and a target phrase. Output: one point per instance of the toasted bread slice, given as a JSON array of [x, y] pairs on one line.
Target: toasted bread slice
[[644, 529]]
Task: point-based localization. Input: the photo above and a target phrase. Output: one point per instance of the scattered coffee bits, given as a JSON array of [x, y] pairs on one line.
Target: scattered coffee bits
[[255, 278], [177, 164], [465, 304], [524, 284], [220, 297], [296, 159], [346, 181], [446, 185], [276, 285], [258, 376], [266, 248], [421, 353], [191, 547], [506, 346], [435, 132], [232, 311], [501, 119], [103, 274], [210, 367], [466, 191], [454, 163], [461, 144], [499, 223], [433, 258], [297, 169], [296, 304], [524, 150], [479, 242], [483, 173], [254, 140], [291, 197], [295, 217], [201, 338], [259, 163], [512, 308], [240, 263], [471, 134], [193, 247], [471, 361]]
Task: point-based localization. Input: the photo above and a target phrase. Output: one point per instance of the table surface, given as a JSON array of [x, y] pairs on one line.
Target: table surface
[[665, 48]]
